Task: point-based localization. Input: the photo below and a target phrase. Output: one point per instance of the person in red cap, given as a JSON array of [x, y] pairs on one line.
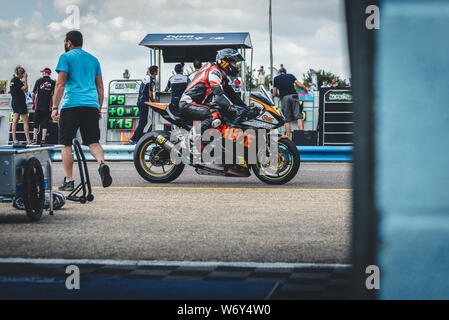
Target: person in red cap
[[42, 99]]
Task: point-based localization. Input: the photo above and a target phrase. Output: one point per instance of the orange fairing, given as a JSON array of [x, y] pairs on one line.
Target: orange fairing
[[268, 107], [157, 105], [272, 110]]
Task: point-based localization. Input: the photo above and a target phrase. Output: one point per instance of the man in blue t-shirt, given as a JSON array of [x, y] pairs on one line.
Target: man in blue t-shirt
[[80, 80], [284, 87]]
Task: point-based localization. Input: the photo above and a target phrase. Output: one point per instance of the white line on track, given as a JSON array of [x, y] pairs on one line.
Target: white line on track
[[271, 265]]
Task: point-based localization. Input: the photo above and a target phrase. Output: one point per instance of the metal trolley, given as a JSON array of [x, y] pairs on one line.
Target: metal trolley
[[27, 172]]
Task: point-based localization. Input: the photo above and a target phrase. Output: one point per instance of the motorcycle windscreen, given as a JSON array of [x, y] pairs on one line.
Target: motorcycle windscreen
[[266, 95]]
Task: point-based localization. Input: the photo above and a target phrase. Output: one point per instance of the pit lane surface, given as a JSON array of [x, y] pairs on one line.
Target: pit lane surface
[[195, 218]]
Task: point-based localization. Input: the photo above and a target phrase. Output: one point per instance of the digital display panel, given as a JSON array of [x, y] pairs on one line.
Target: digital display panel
[[121, 123], [123, 111], [122, 105], [117, 100]]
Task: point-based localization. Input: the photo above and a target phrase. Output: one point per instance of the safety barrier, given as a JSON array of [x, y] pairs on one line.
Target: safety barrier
[[308, 154], [343, 154], [111, 153]]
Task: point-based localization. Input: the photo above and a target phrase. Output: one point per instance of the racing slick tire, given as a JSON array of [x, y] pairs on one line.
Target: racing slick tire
[[148, 154]]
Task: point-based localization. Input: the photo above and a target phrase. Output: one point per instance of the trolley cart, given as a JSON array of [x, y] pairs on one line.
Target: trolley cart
[[26, 171], [84, 185]]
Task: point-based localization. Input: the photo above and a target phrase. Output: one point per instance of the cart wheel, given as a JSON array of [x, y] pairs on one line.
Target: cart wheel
[[90, 198], [33, 189], [83, 200]]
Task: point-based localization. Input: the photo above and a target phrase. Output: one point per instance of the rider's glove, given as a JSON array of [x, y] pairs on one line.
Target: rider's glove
[[236, 112], [252, 113]]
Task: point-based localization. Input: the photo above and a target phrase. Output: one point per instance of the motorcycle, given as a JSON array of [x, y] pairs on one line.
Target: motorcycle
[[154, 162]]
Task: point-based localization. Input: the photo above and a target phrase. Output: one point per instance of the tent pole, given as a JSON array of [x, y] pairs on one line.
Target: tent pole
[[244, 73], [251, 73], [271, 48], [160, 69]]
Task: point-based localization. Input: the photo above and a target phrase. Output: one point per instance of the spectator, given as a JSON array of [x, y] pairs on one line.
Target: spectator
[[334, 83], [284, 87], [261, 77], [145, 95], [177, 84], [197, 65], [325, 85], [3, 84], [42, 95], [126, 75], [81, 82], [18, 88]]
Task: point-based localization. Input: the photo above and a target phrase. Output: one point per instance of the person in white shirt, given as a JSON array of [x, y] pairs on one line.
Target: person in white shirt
[[261, 77], [325, 85]]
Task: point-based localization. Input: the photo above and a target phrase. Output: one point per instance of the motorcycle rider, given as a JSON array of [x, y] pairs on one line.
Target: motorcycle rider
[[210, 93]]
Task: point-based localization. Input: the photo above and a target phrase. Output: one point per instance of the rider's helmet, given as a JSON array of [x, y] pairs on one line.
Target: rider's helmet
[[227, 60]]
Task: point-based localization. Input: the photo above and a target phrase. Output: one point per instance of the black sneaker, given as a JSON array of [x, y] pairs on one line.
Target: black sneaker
[[106, 178], [67, 185]]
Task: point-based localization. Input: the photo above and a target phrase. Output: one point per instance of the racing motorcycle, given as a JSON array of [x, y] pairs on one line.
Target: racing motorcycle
[[153, 153]]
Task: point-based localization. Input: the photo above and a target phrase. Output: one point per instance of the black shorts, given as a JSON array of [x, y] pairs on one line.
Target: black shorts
[[292, 108], [83, 118], [41, 119], [20, 108]]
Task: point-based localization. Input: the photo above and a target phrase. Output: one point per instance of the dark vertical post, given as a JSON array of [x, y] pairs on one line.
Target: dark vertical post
[[364, 223]]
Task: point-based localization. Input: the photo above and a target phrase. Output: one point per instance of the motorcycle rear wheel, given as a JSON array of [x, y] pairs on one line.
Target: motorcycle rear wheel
[[150, 159]]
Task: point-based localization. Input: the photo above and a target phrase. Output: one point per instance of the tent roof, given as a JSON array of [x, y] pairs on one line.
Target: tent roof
[[235, 40]]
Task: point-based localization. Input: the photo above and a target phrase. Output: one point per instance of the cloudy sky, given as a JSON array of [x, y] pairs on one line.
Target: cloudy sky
[[306, 33]]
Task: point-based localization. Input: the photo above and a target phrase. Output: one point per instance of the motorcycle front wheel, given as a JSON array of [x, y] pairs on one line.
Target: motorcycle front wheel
[[153, 163], [284, 169]]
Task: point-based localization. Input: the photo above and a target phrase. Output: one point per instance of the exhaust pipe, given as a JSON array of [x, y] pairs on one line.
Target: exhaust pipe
[[164, 143], [167, 145]]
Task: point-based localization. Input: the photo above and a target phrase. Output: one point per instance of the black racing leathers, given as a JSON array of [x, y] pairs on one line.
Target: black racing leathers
[[209, 92]]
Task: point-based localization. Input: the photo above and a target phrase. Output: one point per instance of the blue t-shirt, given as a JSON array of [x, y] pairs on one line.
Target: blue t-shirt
[[286, 84], [81, 68]]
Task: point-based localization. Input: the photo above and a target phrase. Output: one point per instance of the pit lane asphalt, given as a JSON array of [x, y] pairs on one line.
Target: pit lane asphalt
[[195, 218]]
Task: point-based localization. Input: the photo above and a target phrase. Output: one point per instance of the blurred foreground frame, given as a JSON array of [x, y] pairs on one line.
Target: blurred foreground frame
[[401, 172], [364, 224]]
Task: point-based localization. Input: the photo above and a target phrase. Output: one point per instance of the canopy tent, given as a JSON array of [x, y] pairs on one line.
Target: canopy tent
[[186, 47]]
